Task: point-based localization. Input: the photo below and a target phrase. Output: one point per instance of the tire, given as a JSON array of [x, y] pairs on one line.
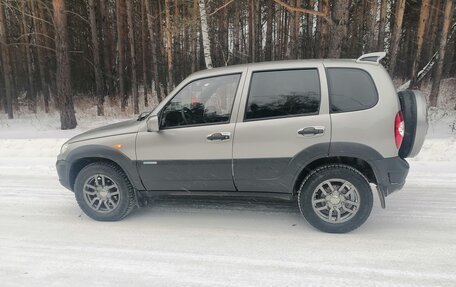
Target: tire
[[314, 204], [409, 112], [115, 197], [414, 111]]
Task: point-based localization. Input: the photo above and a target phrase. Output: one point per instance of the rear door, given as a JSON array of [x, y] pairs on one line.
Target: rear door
[[283, 121]]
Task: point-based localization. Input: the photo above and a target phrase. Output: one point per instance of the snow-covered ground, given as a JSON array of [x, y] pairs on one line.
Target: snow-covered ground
[[45, 239]]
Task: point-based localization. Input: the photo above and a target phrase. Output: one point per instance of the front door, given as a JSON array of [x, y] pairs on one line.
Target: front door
[[193, 149]]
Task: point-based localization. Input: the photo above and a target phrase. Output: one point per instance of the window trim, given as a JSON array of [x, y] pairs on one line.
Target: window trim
[[329, 88], [285, 116], [159, 114]]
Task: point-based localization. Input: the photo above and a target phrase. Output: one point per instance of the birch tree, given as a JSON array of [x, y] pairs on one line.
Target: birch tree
[[205, 35]]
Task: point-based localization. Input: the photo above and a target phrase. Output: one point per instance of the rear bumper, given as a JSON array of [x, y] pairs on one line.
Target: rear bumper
[[64, 173], [391, 174]]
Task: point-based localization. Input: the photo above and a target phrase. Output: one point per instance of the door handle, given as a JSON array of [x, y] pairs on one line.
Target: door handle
[[312, 131], [223, 136]]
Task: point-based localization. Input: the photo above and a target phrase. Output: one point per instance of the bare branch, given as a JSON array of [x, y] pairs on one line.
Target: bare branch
[[302, 10], [220, 8]]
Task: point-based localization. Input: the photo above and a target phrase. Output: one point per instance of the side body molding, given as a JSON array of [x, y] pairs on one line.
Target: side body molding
[[108, 153]]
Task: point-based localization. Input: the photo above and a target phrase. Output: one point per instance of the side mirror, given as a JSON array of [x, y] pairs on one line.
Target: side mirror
[[152, 124]]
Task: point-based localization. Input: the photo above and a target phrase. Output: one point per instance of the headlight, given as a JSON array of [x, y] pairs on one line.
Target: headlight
[[63, 148]]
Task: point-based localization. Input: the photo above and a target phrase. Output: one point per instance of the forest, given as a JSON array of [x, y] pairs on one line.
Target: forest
[[133, 52]]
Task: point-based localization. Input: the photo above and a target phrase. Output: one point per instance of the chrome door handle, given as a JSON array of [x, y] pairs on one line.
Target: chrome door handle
[[222, 136], [311, 131]]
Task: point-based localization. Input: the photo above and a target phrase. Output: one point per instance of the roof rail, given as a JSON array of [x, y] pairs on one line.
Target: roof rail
[[372, 57]]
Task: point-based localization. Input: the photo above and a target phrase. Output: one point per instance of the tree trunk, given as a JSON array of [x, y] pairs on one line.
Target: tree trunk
[[131, 39], [236, 37], [67, 115], [372, 28], [31, 91], [424, 14], [269, 23], [120, 10], [258, 32], [41, 54], [194, 40], [252, 30], [382, 25], [144, 52], [6, 61], [96, 59], [324, 31], [286, 36], [434, 18], [206, 40], [153, 40], [310, 49], [395, 37], [356, 42], [49, 56], [295, 32], [169, 45], [107, 48], [433, 98], [224, 35], [338, 28]]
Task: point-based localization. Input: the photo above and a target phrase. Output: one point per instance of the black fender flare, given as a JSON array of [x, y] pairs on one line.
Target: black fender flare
[[338, 149], [108, 153]]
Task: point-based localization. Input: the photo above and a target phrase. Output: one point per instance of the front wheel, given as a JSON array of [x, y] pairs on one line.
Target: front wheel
[[335, 199], [104, 192]]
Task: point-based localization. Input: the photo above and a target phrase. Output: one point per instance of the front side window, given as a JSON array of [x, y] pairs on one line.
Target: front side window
[[204, 101], [350, 90], [283, 93]]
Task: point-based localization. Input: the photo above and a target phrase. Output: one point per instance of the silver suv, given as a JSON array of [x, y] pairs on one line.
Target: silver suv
[[327, 132]]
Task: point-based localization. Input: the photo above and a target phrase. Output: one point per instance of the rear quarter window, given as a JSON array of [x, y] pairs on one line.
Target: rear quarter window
[[350, 89]]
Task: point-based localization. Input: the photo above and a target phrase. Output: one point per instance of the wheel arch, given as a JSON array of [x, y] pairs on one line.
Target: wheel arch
[[85, 155], [357, 163]]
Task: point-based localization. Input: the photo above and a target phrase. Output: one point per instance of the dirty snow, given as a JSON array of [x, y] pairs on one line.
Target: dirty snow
[[46, 240]]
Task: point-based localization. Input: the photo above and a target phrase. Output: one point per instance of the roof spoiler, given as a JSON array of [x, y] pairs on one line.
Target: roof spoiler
[[372, 57]]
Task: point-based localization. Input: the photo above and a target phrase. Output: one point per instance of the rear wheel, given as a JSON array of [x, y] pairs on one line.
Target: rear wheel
[[335, 199], [104, 192]]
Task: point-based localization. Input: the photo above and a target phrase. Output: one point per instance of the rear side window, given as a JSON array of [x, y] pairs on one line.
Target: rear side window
[[283, 93], [350, 90]]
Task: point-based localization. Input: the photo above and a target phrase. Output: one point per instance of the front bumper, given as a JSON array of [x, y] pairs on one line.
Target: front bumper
[[64, 173], [391, 174]]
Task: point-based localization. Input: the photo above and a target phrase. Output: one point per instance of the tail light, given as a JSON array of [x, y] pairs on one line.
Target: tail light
[[399, 129]]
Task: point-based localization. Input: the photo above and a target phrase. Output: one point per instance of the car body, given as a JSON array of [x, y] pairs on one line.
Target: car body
[[258, 129]]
